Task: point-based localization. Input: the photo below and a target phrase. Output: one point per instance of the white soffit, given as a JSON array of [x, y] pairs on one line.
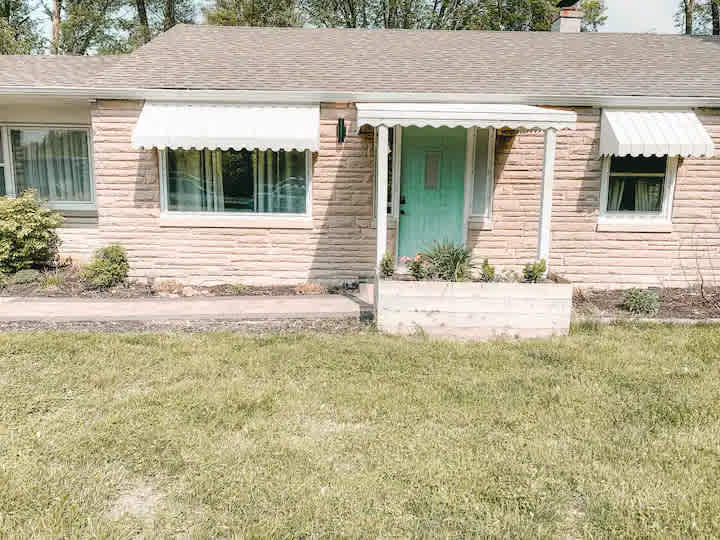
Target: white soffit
[[225, 126], [654, 133], [467, 115]]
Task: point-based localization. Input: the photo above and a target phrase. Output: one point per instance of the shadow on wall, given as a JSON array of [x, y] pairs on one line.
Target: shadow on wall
[[344, 236]]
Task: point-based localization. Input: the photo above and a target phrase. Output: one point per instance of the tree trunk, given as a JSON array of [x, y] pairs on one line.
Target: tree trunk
[[144, 27], [689, 12], [169, 15], [716, 17], [57, 9]]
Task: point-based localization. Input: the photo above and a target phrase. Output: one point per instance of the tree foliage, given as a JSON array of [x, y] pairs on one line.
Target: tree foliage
[[19, 32], [253, 13], [594, 14], [698, 17]]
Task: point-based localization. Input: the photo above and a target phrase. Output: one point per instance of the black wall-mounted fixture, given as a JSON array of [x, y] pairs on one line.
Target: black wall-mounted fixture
[[341, 130]]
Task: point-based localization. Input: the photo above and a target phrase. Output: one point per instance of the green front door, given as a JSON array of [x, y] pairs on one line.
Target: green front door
[[433, 188]]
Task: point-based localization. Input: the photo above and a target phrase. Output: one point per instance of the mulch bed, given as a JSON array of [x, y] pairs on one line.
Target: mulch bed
[[675, 303], [66, 282]]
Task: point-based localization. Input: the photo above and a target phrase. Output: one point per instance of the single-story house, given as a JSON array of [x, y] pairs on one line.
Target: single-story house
[[283, 155]]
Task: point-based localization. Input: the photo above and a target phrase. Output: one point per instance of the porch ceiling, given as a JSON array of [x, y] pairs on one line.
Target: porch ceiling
[[467, 115]]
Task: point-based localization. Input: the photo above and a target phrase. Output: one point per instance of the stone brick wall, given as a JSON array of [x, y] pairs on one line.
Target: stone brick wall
[[339, 246], [341, 243], [578, 251]]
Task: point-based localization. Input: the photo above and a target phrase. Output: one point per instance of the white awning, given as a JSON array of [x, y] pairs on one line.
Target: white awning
[[463, 115], [654, 133], [224, 126]]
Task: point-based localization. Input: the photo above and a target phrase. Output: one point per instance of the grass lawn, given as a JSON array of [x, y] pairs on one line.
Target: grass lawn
[[611, 431]]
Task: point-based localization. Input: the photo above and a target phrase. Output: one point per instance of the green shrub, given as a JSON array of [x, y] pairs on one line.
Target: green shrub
[[447, 262], [487, 272], [28, 238], [641, 302], [108, 268], [387, 266], [534, 271]]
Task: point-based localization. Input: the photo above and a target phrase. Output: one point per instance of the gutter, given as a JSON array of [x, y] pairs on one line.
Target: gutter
[[314, 96]]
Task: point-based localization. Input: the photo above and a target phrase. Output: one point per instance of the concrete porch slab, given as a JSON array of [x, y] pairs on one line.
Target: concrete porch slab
[[236, 308]]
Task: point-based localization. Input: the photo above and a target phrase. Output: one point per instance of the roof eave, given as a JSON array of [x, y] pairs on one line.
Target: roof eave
[[318, 96]]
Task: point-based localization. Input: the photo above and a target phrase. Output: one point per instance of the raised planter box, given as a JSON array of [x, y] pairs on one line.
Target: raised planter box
[[474, 310]]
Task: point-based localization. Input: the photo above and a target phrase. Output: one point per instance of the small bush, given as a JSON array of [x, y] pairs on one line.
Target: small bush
[[24, 277], [108, 268], [52, 280], [28, 238], [534, 271], [447, 262], [487, 272], [641, 302], [387, 266]]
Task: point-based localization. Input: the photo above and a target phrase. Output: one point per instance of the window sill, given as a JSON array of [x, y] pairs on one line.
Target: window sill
[[238, 222], [635, 227], [480, 224]]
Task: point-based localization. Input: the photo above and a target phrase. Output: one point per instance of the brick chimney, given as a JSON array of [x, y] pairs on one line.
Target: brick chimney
[[570, 17]]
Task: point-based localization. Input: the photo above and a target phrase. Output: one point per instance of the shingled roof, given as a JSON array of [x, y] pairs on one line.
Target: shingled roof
[[51, 71], [201, 57]]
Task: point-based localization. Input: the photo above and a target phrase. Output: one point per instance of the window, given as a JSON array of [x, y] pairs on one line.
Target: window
[[483, 172], [53, 161], [638, 187], [244, 181], [3, 187]]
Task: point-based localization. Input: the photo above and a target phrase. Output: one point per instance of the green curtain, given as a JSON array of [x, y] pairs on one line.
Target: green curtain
[[54, 162], [195, 180], [617, 189], [647, 196]]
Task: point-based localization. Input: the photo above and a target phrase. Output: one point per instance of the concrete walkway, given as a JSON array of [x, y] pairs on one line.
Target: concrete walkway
[[229, 308]]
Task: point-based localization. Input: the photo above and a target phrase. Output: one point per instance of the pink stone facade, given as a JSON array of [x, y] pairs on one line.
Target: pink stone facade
[[338, 244], [578, 251]]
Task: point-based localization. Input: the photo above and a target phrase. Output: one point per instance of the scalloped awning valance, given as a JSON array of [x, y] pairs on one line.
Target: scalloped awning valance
[[654, 133], [463, 115], [224, 126]]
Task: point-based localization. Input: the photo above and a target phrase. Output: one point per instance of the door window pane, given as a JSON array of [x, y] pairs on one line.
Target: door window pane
[[432, 169], [55, 162], [237, 181]]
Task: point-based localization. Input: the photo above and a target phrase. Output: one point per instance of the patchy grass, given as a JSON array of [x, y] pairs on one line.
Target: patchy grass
[[614, 431]]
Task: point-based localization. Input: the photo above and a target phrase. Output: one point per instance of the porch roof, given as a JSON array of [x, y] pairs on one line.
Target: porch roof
[[659, 133], [463, 115], [224, 126]]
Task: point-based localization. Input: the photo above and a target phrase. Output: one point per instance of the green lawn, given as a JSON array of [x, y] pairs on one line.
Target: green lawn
[[612, 431]]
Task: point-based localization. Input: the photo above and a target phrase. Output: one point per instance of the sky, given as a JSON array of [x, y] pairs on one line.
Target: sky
[[641, 16]]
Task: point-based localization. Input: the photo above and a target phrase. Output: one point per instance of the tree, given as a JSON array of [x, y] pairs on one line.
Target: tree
[[699, 16], [19, 33], [431, 14], [253, 13], [143, 25], [594, 14]]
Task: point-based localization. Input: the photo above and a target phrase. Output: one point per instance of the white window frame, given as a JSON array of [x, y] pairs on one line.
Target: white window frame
[[9, 165], [240, 216], [639, 218], [473, 219]]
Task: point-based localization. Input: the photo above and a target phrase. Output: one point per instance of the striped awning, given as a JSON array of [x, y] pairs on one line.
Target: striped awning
[[467, 115], [224, 126], [654, 133]]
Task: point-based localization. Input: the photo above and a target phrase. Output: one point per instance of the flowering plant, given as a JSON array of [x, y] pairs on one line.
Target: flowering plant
[[418, 266]]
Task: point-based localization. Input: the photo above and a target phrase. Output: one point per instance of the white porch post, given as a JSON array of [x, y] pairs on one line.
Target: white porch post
[[543, 248], [382, 193]]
